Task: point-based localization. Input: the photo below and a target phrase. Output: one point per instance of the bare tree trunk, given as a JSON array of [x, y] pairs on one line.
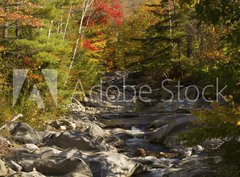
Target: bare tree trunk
[[50, 29], [60, 23], [68, 18], [87, 4]]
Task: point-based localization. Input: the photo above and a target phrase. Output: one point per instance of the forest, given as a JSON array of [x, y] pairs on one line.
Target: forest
[[55, 53]]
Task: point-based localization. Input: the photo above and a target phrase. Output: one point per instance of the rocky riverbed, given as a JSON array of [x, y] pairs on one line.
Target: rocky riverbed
[[107, 139]]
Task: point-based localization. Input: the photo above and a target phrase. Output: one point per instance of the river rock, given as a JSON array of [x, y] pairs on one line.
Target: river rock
[[31, 147], [169, 133], [155, 162], [15, 166], [164, 120], [24, 133], [74, 107], [109, 164], [90, 128], [69, 167], [27, 165], [20, 155], [63, 125], [76, 139], [193, 166], [45, 152], [115, 141]]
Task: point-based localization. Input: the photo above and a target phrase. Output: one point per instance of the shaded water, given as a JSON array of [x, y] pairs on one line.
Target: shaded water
[[138, 127]]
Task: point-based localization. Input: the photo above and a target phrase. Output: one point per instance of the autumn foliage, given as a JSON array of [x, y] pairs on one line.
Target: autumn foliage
[[105, 10], [20, 12]]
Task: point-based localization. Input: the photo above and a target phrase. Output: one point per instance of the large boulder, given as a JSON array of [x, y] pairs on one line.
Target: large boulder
[[108, 164], [83, 125], [69, 167], [77, 139], [24, 133], [50, 162], [169, 132], [164, 120], [191, 167]]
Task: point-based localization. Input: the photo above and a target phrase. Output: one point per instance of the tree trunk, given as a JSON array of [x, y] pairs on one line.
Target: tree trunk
[[17, 23], [86, 5], [68, 18], [50, 29]]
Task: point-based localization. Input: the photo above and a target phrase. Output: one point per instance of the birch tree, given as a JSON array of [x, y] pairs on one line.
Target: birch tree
[[87, 7]]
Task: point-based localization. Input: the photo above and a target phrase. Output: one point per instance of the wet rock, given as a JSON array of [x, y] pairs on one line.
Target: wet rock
[[187, 152], [155, 162], [24, 133], [198, 149], [168, 155]]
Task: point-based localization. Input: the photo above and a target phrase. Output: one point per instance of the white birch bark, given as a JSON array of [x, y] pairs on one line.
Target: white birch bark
[[68, 18], [87, 5]]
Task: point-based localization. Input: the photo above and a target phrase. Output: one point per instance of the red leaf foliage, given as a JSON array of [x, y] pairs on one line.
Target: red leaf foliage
[[88, 45], [107, 9]]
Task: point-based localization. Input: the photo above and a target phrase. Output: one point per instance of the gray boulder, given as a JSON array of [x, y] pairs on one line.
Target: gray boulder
[[169, 133], [193, 166], [76, 139], [90, 128], [69, 167], [24, 133], [109, 164]]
